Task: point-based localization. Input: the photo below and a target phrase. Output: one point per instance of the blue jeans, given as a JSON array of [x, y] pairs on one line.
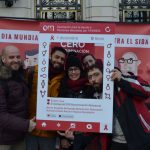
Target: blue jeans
[[40, 143]]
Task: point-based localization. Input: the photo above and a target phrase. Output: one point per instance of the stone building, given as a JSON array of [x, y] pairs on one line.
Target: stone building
[[87, 10]]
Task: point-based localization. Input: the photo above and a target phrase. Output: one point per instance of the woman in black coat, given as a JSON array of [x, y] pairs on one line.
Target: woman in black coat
[[73, 85], [74, 81]]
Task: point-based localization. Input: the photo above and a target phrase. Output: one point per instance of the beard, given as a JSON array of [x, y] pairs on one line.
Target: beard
[[14, 66], [58, 68], [54, 70], [98, 88]]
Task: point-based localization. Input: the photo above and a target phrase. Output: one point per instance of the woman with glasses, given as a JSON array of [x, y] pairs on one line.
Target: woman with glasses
[[74, 81], [73, 85]]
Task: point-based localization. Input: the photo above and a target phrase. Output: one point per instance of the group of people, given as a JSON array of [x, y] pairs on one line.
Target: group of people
[[69, 77]]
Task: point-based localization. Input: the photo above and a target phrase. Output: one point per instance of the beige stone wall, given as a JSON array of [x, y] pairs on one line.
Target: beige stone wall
[[20, 8], [93, 10], [101, 10]]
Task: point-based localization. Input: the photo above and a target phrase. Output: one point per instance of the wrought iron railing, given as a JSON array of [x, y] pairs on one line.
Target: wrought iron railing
[[134, 10], [58, 9]]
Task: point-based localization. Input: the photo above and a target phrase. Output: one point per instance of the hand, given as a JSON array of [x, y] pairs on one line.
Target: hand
[[68, 134], [116, 75], [32, 124], [65, 143]]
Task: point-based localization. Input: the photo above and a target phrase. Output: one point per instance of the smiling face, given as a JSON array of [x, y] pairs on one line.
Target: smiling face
[[58, 59], [88, 61], [129, 63], [11, 57], [74, 73]]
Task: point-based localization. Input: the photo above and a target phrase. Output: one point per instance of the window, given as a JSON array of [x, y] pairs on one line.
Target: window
[[134, 10], [58, 9]]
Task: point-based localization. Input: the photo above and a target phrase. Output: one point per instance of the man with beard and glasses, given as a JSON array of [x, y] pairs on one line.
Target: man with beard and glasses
[[13, 101], [39, 139]]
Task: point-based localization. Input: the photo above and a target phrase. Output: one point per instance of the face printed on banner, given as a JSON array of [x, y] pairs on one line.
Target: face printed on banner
[[95, 77], [11, 57], [129, 63], [74, 73], [88, 61], [58, 59], [31, 58]]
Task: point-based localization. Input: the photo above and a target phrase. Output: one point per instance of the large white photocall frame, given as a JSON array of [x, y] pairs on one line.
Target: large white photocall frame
[[88, 115]]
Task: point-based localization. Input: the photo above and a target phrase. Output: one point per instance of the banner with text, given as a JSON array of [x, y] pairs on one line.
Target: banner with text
[[22, 34], [56, 113]]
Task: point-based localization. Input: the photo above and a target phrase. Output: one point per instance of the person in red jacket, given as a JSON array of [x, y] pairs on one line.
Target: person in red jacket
[[131, 127]]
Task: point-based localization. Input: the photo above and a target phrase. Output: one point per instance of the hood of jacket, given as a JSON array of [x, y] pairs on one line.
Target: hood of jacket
[[5, 72]]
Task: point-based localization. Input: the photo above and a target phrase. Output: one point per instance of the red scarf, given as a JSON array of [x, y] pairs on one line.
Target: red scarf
[[76, 85]]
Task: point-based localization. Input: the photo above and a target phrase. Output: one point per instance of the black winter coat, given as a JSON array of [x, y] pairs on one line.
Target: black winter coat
[[13, 107]]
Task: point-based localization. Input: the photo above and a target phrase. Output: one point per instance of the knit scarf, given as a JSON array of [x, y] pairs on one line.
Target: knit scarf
[[76, 85]]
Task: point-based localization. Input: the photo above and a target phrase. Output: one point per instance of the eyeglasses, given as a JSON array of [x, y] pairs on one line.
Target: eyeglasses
[[75, 69], [129, 61]]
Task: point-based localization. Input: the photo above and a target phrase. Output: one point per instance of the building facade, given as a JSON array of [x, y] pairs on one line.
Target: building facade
[[101, 10], [17, 8], [93, 10], [88, 10]]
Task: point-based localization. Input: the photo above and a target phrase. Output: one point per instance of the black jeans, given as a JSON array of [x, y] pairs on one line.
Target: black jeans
[[119, 146], [81, 141]]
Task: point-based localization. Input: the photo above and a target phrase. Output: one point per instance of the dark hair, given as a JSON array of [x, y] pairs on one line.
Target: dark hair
[[31, 52], [54, 49], [73, 61], [95, 66], [87, 55]]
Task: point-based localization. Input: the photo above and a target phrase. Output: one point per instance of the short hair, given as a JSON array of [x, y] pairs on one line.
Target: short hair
[[82, 58], [95, 66], [3, 53], [31, 52], [4, 50], [54, 49]]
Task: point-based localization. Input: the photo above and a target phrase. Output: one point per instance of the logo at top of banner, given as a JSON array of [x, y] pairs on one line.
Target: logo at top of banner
[[48, 28], [107, 29]]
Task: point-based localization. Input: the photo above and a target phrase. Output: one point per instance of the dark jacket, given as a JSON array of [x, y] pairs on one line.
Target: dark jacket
[[13, 106], [69, 93], [133, 116], [82, 141]]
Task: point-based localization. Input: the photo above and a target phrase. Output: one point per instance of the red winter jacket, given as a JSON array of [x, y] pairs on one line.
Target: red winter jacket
[[131, 111]]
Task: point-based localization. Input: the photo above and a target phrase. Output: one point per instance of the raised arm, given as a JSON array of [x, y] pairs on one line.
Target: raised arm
[[133, 85]]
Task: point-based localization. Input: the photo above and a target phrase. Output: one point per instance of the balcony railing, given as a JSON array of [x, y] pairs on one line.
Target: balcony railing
[[58, 9], [134, 10]]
